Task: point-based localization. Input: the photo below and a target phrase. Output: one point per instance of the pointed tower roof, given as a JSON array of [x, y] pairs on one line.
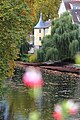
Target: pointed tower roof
[[40, 24]]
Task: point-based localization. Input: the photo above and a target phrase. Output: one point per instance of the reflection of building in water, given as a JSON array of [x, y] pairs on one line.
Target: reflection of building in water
[[4, 110], [40, 30]]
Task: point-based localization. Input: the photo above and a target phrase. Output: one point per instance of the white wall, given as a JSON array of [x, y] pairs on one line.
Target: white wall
[[37, 42], [62, 9]]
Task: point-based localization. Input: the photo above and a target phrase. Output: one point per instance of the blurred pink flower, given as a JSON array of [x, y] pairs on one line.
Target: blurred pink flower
[[72, 107], [57, 114], [32, 78], [61, 111]]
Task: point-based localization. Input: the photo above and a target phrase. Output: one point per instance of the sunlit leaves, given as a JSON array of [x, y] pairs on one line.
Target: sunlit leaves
[[74, 47], [15, 23], [77, 58], [49, 8]]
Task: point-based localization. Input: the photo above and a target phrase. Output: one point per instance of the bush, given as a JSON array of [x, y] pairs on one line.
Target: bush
[[24, 57], [33, 58], [40, 56]]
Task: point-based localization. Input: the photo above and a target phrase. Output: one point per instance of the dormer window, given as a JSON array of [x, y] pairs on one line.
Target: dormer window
[[74, 6], [39, 30]]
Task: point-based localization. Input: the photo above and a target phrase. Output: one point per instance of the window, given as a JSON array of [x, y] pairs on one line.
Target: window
[[40, 47], [74, 6], [39, 30], [46, 30], [39, 38]]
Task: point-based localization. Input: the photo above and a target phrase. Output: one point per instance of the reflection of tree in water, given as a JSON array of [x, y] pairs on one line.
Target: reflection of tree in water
[[4, 107], [19, 101], [20, 104]]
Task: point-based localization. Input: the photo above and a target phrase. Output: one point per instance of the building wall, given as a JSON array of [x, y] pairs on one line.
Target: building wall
[[62, 9], [48, 31], [38, 35]]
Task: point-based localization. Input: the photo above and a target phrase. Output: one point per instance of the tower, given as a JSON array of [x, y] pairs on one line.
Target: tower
[[40, 30]]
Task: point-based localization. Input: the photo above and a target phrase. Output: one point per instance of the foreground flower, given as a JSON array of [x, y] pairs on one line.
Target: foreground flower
[[72, 107], [33, 78], [65, 109], [57, 114]]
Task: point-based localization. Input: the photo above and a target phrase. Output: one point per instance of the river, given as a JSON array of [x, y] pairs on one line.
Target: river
[[16, 103]]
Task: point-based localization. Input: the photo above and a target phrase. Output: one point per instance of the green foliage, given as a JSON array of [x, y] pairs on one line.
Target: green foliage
[[33, 58], [24, 48], [64, 40], [15, 24], [77, 58], [24, 57], [51, 54], [49, 8], [40, 56], [74, 47]]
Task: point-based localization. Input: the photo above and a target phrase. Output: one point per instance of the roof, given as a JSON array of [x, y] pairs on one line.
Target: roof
[[75, 12], [42, 24], [76, 15], [68, 3]]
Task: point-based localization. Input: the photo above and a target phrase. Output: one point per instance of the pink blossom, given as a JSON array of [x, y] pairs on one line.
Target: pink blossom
[[72, 107], [32, 78], [57, 114]]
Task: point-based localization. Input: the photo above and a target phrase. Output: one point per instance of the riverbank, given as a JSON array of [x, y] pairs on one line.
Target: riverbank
[[70, 68]]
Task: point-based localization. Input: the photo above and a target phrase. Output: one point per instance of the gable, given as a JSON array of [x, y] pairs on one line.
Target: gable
[[73, 6], [62, 8]]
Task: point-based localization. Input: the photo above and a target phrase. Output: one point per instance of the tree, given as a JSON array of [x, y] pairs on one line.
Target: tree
[[64, 40], [15, 24], [24, 48], [49, 8], [74, 47]]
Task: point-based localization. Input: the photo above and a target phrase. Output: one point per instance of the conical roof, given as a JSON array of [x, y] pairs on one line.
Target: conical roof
[[40, 24]]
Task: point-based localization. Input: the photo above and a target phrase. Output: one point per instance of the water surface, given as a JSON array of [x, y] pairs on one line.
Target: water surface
[[17, 104]]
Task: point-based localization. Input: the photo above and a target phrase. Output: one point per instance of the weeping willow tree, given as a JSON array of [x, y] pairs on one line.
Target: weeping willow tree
[[64, 40], [74, 47], [52, 53]]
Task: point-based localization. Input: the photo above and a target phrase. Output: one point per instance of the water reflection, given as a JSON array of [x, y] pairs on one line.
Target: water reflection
[[4, 110], [57, 87], [20, 104]]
